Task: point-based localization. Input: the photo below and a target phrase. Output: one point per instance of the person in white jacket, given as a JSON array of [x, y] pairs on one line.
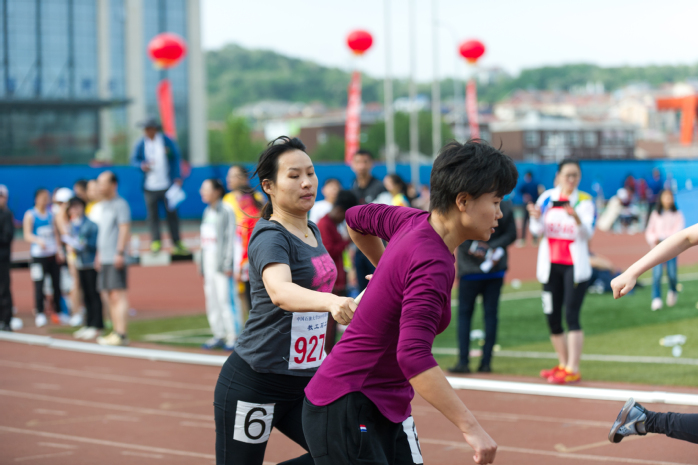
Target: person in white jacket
[[218, 233], [564, 218]]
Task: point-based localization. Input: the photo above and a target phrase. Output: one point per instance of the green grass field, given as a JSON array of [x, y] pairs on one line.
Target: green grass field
[[612, 327]]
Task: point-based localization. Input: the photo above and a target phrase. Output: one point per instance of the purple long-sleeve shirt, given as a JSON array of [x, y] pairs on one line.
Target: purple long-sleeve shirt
[[406, 304]]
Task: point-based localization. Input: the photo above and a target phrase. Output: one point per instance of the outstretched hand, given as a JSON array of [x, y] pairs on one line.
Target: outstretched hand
[[622, 285], [342, 309], [484, 446]]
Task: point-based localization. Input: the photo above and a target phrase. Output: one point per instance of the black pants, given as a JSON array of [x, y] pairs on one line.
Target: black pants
[[363, 268], [39, 269], [524, 224], [490, 290], [93, 301], [247, 405], [5, 293], [682, 426], [152, 202], [352, 430], [562, 290]]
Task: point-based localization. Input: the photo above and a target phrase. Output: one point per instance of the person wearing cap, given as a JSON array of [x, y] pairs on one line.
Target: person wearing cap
[[7, 232], [61, 197], [157, 155]]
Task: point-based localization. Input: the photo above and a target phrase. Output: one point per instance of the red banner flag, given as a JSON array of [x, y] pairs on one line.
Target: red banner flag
[[352, 132], [471, 108], [166, 104]]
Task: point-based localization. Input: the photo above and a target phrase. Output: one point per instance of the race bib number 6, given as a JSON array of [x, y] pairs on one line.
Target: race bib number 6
[[307, 340], [253, 422]]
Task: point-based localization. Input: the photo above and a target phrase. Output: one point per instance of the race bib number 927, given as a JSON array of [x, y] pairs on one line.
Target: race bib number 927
[[307, 340]]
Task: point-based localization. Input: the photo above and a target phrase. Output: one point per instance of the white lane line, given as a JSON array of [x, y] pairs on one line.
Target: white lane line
[[44, 456], [106, 377], [102, 405], [43, 411], [562, 455], [60, 446], [142, 454], [100, 442], [49, 387]]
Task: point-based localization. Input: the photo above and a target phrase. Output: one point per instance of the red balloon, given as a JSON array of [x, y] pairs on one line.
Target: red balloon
[[359, 41], [472, 50], [167, 49]]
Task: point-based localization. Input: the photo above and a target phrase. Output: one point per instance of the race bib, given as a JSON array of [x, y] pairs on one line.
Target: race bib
[[560, 225], [208, 235], [253, 422], [307, 340], [36, 272]]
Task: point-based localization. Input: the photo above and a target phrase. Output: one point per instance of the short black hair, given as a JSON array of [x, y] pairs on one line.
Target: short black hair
[[39, 191], [346, 200], [76, 201], [659, 207], [82, 183], [568, 161], [366, 153], [329, 180], [217, 185], [529, 174], [475, 168]]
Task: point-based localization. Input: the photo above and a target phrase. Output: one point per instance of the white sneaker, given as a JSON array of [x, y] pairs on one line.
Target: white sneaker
[[656, 304], [40, 320], [671, 298], [112, 340], [76, 320], [64, 319], [16, 324], [78, 334], [89, 334]]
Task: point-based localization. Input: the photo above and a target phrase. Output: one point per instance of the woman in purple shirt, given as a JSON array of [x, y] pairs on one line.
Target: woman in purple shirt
[[357, 406]]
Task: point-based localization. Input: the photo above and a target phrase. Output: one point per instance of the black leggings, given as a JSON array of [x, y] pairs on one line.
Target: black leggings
[[682, 426], [248, 404], [93, 301], [40, 268], [561, 289]]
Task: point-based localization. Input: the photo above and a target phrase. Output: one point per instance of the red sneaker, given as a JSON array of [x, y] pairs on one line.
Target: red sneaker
[[565, 377], [545, 374]]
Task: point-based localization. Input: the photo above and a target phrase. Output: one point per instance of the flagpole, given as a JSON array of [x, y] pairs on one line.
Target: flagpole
[[414, 122], [435, 85], [388, 96]]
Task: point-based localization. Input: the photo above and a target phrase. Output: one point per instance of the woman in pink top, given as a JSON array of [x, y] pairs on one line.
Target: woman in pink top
[[664, 221], [357, 407]]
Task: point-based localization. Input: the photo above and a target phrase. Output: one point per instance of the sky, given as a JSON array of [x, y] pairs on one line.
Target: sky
[[517, 34]]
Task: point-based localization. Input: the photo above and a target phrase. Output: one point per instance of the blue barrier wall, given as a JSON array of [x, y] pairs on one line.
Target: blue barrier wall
[[22, 181]]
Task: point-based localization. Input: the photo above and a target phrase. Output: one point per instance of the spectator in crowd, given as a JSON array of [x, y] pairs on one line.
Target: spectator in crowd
[[481, 266], [93, 208], [564, 217], [529, 195], [396, 190], [366, 188], [7, 233], [83, 241], [336, 244], [247, 205], [329, 190], [654, 186], [80, 190], [112, 239], [158, 157], [218, 236], [61, 199], [664, 221], [46, 257]]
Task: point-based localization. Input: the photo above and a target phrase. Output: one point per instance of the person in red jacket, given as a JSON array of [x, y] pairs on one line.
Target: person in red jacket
[[335, 243]]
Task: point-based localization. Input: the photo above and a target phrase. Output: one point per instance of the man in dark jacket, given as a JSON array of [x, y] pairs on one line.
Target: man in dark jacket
[[158, 157], [481, 267], [7, 232]]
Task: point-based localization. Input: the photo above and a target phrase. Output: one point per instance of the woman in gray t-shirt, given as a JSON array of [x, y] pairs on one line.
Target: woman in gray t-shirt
[[261, 386]]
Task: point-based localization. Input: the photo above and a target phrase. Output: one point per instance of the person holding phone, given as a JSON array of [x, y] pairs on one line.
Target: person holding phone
[[564, 217]]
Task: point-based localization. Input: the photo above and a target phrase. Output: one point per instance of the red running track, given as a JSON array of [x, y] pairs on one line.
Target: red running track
[[61, 407]]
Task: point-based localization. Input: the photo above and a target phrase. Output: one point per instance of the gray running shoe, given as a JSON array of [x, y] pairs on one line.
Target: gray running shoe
[[630, 421]]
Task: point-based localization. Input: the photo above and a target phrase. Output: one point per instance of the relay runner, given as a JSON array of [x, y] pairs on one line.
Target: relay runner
[[357, 408]]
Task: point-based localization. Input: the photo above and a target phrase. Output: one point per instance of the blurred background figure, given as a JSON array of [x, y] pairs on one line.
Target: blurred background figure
[[158, 157], [247, 204], [218, 236], [92, 208], [529, 191], [481, 267], [7, 233], [80, 190], [655, 185], [329, 190], [70, 282], [664, 221], [396, 191], [336, 244]]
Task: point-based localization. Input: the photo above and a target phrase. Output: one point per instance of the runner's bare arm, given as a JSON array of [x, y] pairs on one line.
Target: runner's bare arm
[[666, 250], [433, 386], [293, 298], [28, 225], [371, 246]]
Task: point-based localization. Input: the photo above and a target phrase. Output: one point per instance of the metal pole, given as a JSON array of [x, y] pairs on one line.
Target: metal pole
[[435, 85], [388, 96], [414, 122]]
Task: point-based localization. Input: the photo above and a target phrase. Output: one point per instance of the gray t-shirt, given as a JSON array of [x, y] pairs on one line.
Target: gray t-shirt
[[115, 212], [274, 340]]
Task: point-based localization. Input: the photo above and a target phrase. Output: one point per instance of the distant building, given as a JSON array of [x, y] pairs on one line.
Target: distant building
[[539, 138], [75, 78]]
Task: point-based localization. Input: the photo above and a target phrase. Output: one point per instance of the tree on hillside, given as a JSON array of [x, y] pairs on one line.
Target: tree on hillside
[[375, 140], [234, 143]]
